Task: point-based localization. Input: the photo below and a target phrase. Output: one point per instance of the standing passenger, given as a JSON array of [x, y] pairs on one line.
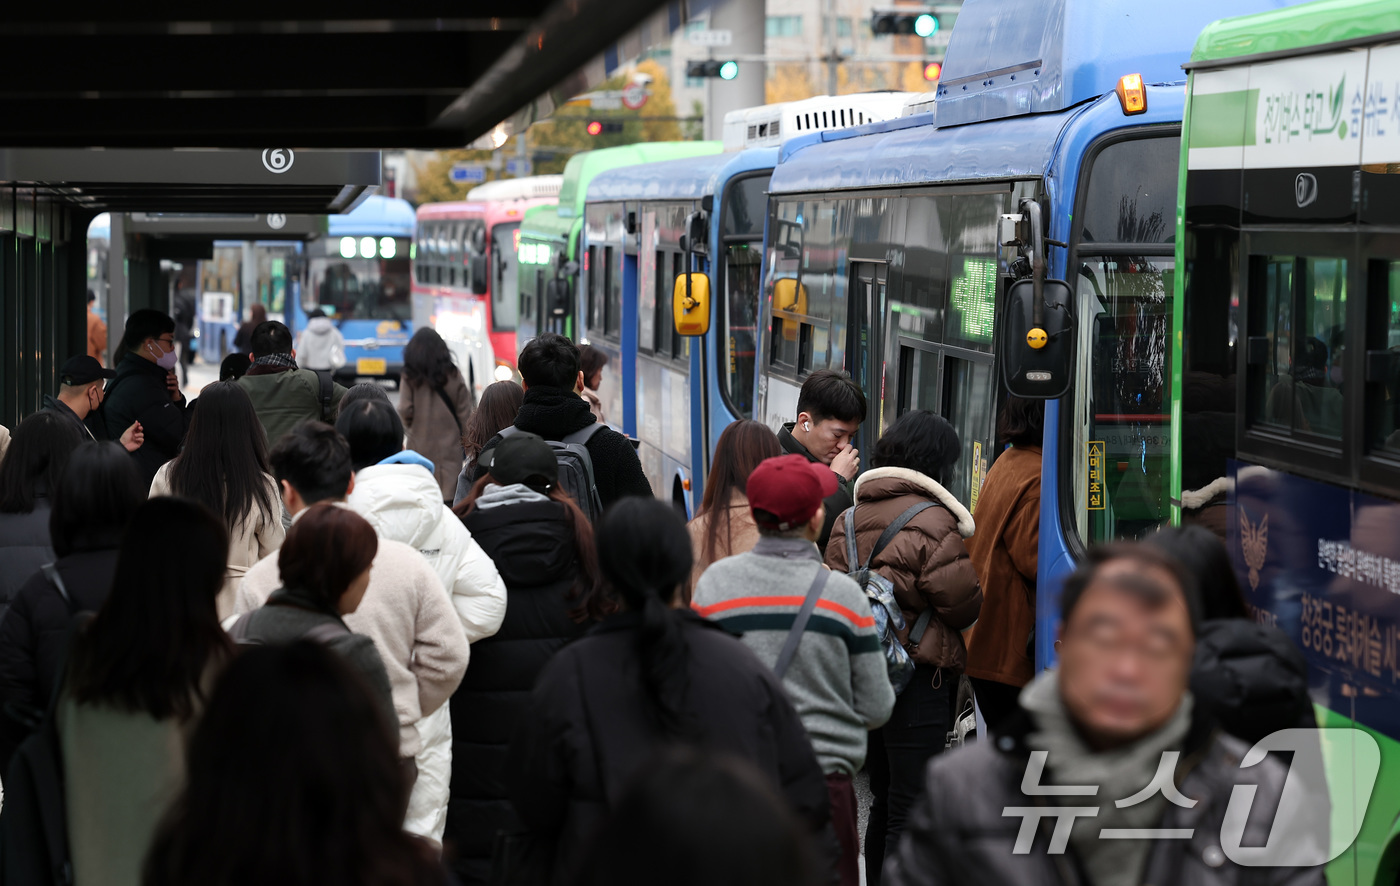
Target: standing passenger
[[933, 581], [543, 545], [499, 405], [830, 408], [320, 345], [293, 780], [224, 467], [284, 394], [100, 490], [646, 679], [724, 526], [243, 339], [1005, 553], [832, 666], [435, 405], [146, 390], [80, 393], [96, 332], [29, 477], [591, 361], [138, 678]]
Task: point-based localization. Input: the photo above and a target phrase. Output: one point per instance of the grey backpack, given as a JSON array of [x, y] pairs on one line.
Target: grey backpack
[[575, 467]]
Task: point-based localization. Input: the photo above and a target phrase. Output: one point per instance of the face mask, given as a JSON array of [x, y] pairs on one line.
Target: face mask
[[164, 360]]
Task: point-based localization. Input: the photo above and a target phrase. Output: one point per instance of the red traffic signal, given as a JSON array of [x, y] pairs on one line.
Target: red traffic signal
[[600, 127], [595, 127], [932, 71]]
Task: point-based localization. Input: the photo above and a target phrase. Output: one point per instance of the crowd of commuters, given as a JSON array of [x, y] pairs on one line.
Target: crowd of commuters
[[298, 635]]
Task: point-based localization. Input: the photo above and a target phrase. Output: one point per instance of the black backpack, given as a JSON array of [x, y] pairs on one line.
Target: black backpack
[[575, 467]]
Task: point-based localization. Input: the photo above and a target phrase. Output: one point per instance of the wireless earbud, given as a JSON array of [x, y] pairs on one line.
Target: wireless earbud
[[807, 426]]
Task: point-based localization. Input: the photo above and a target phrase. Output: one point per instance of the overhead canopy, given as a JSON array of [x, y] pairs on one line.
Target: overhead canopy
[[414, 73], [268, 181]]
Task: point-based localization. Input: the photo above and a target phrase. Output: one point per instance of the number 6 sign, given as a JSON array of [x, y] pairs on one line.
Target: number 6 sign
[[277, 160]]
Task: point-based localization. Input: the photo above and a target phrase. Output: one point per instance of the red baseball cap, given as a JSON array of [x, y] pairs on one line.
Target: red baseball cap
[[788, 489]]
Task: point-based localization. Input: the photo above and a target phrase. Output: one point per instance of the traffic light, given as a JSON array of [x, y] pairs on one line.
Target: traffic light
[[932, 71], [602, 127], [724, 70], [919, 22]]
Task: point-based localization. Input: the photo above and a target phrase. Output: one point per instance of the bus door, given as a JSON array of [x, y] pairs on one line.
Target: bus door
[[865, 361]]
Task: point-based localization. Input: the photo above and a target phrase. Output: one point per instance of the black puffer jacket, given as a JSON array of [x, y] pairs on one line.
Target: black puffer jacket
[[1251, 679], [532, 545], [34, 634], [553, 414], [588, 730], [24, 547], [139, 393]]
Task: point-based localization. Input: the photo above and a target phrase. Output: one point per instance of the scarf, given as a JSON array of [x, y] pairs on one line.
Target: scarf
[[494, 496], [1119, 772], [280, 361]]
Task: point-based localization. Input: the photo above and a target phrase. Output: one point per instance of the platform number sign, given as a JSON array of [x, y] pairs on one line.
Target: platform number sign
[[277, 160], [1096, 486]]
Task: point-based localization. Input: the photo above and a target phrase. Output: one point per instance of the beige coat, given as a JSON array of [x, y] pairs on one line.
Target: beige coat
[[256, 537], [743, 535], [408, 614], [431, 430]]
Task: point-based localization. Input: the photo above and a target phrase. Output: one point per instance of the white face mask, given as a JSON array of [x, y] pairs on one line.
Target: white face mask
[[164, 360]]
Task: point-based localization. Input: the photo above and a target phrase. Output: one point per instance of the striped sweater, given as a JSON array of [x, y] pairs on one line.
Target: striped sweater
[[837, 680]]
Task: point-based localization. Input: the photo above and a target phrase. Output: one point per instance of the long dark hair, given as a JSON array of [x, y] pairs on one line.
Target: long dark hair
[[100, 491], [1204, 556], [319, 798], [644, 553], [224, 462], [591, 602], [151, 645], [741, 447], [500, 404], [1021, 423], [729, 805], [426, 359], [921, 441], [33, 464]]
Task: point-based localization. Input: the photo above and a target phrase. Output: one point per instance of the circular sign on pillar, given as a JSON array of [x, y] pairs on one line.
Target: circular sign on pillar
[[276, 220], [634, 95], [277, 160]]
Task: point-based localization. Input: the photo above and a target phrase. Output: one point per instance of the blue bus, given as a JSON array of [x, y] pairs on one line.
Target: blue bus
[[645, 226], [887, 254], [360, 274]]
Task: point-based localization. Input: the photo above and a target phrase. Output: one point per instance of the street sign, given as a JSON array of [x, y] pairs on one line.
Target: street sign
[[462, 173], [711, 38], [634, 95], [518, 167], [605, 101]]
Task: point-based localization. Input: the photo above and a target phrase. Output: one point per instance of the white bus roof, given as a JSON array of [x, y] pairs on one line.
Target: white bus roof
[[529, 188], [771, 125]]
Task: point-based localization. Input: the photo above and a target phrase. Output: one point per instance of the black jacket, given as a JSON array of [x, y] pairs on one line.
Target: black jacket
[[24, 547], [959, 832], [837, 502], [34, 634], [1251, 679], [532, 544], [91, 426], [554, 414], [138, 393], [588, 730]]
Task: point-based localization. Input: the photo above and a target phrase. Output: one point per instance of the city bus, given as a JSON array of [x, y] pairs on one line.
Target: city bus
[[549, 239], [1285, 362], [884, 254], [675, 393], [465, 270], [359, 273]]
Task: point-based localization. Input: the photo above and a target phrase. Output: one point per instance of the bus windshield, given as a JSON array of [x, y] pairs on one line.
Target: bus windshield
[[360, 288], [505, 281]]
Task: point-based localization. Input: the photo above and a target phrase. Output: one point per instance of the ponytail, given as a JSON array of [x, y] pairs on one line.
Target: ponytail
[[644, 553]]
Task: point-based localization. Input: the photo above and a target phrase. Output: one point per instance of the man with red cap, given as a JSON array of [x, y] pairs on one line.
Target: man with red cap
[[811, 625]]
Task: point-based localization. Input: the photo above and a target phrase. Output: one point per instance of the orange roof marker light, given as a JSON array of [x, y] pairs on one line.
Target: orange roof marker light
[[1132, 95]]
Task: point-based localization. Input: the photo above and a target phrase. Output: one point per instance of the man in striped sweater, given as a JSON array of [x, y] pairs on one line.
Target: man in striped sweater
[[836, 678]]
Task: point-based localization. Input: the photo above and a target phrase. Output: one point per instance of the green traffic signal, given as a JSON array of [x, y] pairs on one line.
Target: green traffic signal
[[729, 70], [925, 25]]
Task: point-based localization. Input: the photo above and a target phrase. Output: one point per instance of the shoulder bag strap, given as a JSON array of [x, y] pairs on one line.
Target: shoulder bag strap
[[326, 383], [447, 401], [799, 624], [916, 633], [852, 555], [584, 434], [50, 571], [893, 529]]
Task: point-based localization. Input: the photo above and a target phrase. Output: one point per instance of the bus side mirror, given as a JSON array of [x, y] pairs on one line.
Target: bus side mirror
[[1037, 346], [476, 271], [791, 296], [556, 293], [690, 304]]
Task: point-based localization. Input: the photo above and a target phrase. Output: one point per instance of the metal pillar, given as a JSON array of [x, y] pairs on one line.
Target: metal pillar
[[746, 19], [116, 286]]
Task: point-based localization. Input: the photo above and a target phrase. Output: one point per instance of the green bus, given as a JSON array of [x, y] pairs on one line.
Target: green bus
[[549, 235], [1285, 365]]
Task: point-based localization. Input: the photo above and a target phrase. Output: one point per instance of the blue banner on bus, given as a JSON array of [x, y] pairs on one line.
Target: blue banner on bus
[[1323, 564]]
